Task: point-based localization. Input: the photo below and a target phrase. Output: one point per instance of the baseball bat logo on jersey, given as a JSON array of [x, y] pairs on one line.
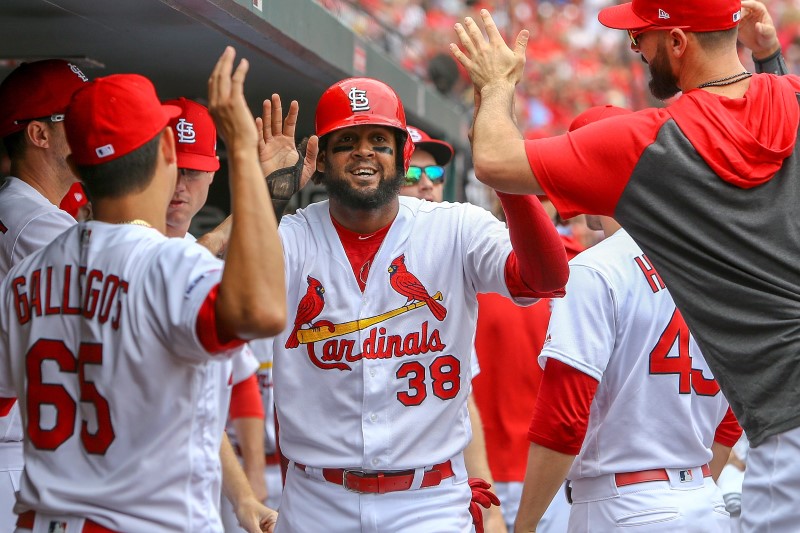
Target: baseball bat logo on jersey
[[379, 343]]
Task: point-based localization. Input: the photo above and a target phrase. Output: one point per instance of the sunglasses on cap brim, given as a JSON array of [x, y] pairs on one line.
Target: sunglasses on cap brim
[[435, 173], [58, 117]]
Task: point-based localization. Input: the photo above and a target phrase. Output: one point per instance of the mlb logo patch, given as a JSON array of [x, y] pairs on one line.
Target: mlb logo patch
[[686, 476], [737, 16], [57, 527], [104, 151]]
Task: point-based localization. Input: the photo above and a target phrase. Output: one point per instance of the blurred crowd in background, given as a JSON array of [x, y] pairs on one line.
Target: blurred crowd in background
[[573, 62]]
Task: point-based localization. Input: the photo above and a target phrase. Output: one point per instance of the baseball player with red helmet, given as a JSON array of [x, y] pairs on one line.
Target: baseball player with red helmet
[[106, 331], [371, 381], [620, 366], [33, 99]]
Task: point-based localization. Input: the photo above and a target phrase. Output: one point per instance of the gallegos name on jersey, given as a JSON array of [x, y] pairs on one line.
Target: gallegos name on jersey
[[41, 293]]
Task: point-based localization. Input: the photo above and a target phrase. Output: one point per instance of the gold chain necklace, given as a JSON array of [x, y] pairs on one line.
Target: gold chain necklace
[[137, 222]]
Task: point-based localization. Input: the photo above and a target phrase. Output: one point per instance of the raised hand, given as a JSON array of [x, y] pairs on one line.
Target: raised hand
[[227, 103], [276, 142], [491, 61], [757, 31]]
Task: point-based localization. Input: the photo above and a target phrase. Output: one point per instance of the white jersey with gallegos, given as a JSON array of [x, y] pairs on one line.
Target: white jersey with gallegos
[[109, 370], [657, 405]]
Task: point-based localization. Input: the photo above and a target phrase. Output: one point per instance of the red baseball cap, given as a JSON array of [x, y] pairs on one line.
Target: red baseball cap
[[74, 199], [441, 151], [37, 90], [705, 15], [113, 116], [593, 114], [195, 136]]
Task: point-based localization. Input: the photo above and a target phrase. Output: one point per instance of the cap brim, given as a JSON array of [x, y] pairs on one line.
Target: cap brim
[[204, 163], [622, 17], [440, 150], [172, 111]]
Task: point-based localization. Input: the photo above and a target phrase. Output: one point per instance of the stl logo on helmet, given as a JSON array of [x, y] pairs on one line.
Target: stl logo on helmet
[[186, 133], [358, 100]]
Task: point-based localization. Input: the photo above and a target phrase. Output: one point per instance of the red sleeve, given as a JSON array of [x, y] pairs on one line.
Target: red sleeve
[[586, 171], [537, 267], [728, 431], [561, 414], [213, 339], [246, 400], [5, 405]]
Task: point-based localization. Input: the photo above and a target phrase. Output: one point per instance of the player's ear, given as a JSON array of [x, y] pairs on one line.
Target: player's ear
[[38, 134], [321, 161], [168, 146]]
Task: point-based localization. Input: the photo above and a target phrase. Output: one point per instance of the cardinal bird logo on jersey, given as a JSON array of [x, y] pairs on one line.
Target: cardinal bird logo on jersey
[[309, 308], [407, 284]]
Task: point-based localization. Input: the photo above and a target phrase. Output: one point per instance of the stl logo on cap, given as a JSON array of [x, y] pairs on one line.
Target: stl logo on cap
[[414, 134], [186, 134], [78, 72], [358, 100]]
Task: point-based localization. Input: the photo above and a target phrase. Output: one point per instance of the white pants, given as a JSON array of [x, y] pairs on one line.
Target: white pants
[[771, 492], [313, 505], [10, 474], [696, 506], [555, 518]]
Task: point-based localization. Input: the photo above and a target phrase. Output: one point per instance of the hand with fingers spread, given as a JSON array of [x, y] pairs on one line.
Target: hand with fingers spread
[[757, 31], [279, 157], [491, 61], [227, 103]]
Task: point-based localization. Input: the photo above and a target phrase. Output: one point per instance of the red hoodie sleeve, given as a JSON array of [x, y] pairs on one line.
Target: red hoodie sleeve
[[537, 266], [246, 400], [561, 414], [728, 431]]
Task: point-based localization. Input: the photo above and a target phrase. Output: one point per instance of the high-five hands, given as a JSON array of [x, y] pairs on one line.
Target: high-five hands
[[277, 149], [491, 61]]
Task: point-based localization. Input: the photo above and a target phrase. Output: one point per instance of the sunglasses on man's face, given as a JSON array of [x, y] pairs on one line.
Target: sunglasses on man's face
[[634, 37], [435, 173]]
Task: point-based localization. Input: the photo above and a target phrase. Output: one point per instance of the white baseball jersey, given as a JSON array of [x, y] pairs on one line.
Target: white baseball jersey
[[225, 373], [28, 221], [262, 350], [657, 404], [98, 340], [382, 383]]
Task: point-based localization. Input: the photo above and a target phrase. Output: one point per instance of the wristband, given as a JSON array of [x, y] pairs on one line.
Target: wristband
[[773, 64]]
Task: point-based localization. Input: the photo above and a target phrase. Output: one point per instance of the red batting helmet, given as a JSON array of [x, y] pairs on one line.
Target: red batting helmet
[[363, 101]]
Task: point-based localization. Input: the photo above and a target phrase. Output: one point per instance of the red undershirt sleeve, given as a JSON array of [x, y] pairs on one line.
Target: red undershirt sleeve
[[729, 430], [537, 266], [211, 336], [5, 405], [246, 400], [561, 414]]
